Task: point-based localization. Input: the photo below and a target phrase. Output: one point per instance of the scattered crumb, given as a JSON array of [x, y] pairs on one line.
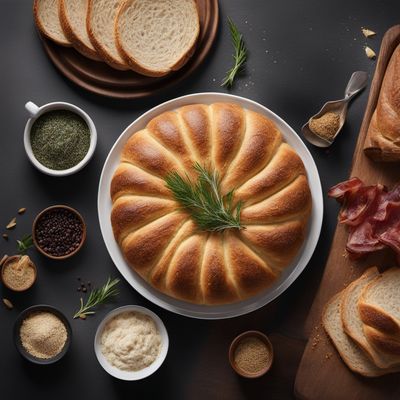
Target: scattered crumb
[[315, 341], [367, 32], [370, 53], [328, 355]]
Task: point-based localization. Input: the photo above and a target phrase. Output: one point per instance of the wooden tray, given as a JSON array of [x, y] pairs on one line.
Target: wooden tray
[[99, 78], [322, 374]]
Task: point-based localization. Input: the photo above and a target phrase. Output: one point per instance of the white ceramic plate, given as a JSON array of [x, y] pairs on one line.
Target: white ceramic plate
[[202, 311], [145, 372]]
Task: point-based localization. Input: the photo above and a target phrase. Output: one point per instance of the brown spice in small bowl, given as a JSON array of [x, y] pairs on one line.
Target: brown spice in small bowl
[[18, 273], [251, 354]]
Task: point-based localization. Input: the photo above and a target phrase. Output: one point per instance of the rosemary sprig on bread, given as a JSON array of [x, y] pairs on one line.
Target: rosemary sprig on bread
[[203, 200]]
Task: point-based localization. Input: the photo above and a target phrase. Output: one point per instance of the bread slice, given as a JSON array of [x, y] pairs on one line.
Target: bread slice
[[157, 37], [73, 14], [379, 303], [385, 343], [352, 355], [100, 26], [46, 14], [353, 324]]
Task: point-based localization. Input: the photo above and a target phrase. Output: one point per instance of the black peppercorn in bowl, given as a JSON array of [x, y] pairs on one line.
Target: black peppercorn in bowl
[[18, 341], [59, 232]]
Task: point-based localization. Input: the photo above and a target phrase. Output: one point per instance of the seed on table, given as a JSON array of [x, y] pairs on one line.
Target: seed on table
[[8, 304], [12, 224]]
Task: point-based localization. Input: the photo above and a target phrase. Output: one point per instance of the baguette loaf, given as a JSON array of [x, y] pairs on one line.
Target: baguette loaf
[[47, 19], [353, 324], [100, 25], [383, 136], [73, 16], [157, 37]]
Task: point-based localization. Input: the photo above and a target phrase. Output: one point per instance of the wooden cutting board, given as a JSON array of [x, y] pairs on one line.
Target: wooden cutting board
[[322, 374]]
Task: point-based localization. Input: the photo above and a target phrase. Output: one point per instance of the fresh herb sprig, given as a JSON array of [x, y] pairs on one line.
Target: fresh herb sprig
[[211, 210], [24, 244], [96, 297], [239, 57]]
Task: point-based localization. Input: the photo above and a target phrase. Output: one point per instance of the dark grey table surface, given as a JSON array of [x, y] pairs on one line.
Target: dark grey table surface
[[301, 54]]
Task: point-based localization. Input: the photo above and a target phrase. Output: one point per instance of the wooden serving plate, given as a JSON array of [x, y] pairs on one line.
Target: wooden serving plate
[[322, 374], [99, 78]]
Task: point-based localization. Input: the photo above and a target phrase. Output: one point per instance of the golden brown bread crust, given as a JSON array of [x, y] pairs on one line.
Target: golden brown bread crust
[[383, 136], [383, 342], [101, 50], [135, 65], [378, 319], [72, 36], [163, 244], [42, 29]]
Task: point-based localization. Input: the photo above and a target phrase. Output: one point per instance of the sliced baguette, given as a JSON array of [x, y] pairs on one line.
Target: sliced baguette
[[379, 303], [350, 352], [353, 324], [100, 26], [157, 37], [73, 15], [46, 14]]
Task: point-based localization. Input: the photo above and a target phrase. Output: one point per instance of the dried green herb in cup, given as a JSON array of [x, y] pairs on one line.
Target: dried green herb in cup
[[60, 139]]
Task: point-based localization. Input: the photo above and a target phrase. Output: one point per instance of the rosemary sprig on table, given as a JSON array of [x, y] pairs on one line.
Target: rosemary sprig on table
[[24, 244], [211, 210], [239, 57], [96, 297]]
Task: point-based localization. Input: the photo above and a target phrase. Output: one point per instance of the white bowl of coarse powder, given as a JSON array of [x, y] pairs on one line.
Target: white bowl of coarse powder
[[131, 343]]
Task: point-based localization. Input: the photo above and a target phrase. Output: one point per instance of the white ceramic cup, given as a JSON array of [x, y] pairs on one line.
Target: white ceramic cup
[[35, 112]]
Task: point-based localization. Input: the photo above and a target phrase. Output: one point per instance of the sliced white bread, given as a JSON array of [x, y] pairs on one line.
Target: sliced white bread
[[385, 343], [100, 26], [157, 37], [379, 303], [353, 324], [46, 14], [73, 14], [355, 358]]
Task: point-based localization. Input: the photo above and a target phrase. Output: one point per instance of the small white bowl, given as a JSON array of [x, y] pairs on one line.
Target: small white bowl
[[145, 372], [35, 112]]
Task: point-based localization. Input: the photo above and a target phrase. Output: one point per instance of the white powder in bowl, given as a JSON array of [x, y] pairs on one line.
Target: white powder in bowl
[[130, 341]]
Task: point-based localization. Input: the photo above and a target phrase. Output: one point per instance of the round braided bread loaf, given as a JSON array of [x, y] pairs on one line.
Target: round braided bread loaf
[[160, 240]]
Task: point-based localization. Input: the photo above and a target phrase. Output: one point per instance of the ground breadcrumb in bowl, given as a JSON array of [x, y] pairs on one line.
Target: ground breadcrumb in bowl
[[251, 354], [131, 343], [42, 334]]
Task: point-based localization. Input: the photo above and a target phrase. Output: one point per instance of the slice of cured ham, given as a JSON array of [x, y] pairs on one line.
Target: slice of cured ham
[[372, 214]]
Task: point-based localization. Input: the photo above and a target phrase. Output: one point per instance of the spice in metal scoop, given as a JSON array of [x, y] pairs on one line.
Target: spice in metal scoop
[[60, 139], [325, 126]]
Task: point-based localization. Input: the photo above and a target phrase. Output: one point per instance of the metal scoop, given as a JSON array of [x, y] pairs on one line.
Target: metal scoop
[[357, 82]]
